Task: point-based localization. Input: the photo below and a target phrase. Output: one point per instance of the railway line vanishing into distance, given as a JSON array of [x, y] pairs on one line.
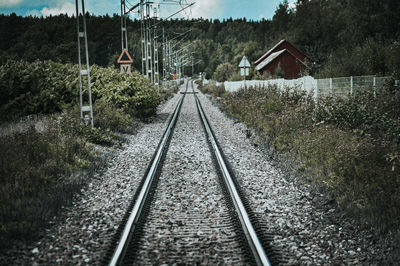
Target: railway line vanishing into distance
[[198, 230], [190, 217]]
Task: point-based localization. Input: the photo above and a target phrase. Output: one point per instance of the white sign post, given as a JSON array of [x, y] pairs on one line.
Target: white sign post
[[244, 68]]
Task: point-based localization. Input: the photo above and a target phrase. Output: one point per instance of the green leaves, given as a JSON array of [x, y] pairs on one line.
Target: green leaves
[[48, 87]]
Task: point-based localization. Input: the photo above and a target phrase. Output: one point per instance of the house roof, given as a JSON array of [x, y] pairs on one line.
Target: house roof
[[270, 51], [269, 59], [272, 57]]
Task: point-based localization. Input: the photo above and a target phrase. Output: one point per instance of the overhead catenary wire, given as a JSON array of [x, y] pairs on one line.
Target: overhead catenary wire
[[150, 36]]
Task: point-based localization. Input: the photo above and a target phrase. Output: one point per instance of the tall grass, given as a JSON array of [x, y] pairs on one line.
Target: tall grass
[[34, 172], [348, 146]]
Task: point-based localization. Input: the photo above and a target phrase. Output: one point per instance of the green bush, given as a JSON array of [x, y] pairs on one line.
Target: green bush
[[213, 89], [355, 169], [110, 117], [224, 71], [36, 166], [199, 82], [364, 113], [48, 87]]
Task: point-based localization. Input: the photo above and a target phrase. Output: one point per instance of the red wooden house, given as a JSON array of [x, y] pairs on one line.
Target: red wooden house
[[290, 59]]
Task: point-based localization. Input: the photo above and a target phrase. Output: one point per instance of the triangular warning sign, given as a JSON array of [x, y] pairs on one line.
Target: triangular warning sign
[[125, 58]]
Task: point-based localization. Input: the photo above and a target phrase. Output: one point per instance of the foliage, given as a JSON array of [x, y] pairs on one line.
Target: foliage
[[213, 89], [39, 165], [48, 87], [224, 72], [167, 92], [344, 38], [199, 82], [349, 146], [364, 113], [109, 117]]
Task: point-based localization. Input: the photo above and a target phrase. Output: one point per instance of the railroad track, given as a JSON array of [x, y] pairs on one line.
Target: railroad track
[[188, 208]]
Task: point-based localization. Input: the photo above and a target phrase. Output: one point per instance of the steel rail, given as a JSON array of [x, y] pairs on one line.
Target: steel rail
[[252, 239], [136, 211]]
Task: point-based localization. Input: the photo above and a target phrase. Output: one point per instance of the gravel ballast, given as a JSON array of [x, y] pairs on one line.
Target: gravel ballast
[[188, 222]]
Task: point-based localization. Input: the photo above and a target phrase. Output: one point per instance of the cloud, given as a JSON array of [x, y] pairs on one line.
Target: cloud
[[201, 8], [34, 13], [66, 8], [207, 9], [292, 4], [9, 3], [101, 7]]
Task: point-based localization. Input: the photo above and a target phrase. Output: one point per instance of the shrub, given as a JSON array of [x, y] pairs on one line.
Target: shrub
[[364, 113], [168, 92], [109, 117], [48, 87], [213, 89], [355, 170], [224, 71]]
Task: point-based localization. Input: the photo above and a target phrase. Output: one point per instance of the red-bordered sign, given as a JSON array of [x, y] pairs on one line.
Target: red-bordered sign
[[125, 58]]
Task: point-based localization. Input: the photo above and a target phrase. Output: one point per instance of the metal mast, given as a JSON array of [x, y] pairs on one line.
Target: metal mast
[[156, 73], [124, 33], [82, 33], [149, 61], [143, 35], [164, 57]]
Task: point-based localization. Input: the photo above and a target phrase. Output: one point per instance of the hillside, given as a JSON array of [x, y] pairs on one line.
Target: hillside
[[345, 37]]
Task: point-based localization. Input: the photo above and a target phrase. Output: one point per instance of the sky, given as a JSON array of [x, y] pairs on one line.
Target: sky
[[250, 9]]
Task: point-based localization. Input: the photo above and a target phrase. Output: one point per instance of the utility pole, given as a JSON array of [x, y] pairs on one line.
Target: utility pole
[[82, 33], [143, 35], [170, 64], [164, 50], [149, 60], [176, 62], [124, 34], [156, 73], [149, 44]]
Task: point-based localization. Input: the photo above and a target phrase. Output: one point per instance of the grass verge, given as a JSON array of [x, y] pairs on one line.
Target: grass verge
[[348, 146], [43, 166]]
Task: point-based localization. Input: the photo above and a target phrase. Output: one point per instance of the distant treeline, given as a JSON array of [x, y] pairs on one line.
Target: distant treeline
[[344, 37]]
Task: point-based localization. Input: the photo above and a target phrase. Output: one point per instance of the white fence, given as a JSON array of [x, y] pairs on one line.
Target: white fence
[[348, 85], [320, 87]]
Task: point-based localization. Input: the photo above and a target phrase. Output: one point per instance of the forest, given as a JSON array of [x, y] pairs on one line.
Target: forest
[[343, 37]]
